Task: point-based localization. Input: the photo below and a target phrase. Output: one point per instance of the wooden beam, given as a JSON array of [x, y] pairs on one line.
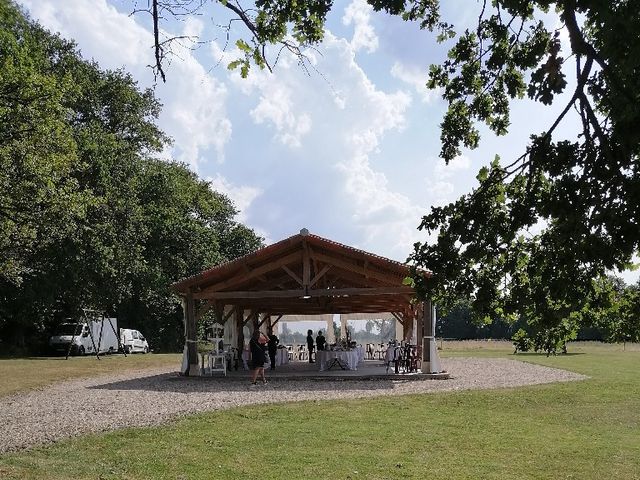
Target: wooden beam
[[306, 264], [256, 272], [354, 267], [227, 316], [398, 317], [322, 292], [246, 320], [276, 320], [319, 275], [292, 274]]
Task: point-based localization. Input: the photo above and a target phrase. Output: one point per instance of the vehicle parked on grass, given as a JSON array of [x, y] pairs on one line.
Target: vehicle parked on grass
[[84, 335], [133, 341]]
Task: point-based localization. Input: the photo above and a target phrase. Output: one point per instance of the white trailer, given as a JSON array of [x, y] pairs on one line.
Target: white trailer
[[94, 336]]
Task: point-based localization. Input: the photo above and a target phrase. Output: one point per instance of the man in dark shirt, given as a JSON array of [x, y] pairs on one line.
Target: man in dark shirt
[[320, 341], [273, 349], [310, 344]]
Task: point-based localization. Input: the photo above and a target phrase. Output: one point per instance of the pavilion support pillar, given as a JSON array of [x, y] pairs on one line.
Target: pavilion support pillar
[[238, 322], [190, 364], [331, 335], [399, 328], [408, 320], [419, 312], [343, 328], [430, 357]]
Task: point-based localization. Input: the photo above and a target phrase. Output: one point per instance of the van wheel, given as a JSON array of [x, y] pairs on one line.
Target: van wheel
[[146, 350], [127, 350], [81, 350]]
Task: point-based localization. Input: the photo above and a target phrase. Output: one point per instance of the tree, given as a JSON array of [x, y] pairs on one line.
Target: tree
[[615, 310], [88, 217], [580, 193]]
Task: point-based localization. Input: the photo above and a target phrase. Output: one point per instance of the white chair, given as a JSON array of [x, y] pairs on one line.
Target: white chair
[[218, 357]]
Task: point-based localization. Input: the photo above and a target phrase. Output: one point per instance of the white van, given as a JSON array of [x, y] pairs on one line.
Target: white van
[[133, 341], [79, 336]]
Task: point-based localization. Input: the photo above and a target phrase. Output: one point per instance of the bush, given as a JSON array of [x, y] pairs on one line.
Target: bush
[[521, 341]]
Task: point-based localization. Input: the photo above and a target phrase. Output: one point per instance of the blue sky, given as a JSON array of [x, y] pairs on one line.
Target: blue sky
[[349, 152]]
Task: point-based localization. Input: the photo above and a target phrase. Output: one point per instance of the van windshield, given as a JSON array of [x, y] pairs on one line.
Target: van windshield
[[69, 329]]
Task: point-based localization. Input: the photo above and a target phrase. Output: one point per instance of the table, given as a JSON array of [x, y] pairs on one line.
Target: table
[[345, 359], [282, 356], [360, 350]]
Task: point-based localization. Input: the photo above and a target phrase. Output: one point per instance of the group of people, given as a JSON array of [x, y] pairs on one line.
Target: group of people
[[320, 343], [260, 342]]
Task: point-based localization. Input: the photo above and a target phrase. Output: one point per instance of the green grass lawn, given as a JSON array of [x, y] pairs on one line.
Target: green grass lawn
[[584, 430], [27, 373]]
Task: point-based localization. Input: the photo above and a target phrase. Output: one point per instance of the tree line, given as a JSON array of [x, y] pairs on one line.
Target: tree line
[[90, 217], [611, 314]]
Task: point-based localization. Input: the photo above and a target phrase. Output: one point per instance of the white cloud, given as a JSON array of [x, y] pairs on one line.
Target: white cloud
[[416, 78], [275, 105], [307, 151], [241, 195], [194, 112], [93, 25], [440, 184], [459, 164], [358, 13]]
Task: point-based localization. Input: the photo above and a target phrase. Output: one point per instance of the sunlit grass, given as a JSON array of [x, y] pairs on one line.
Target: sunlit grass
[[28, 373]]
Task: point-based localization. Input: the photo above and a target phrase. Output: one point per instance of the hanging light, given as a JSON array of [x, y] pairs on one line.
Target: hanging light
[[306, 295]]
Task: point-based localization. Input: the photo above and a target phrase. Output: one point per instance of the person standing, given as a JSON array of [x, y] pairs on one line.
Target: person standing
[[320, 341], [257, 357], [272, 346], [310, 344]]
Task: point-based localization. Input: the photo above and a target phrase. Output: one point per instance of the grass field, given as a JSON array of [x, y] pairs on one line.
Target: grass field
[[27, 373], [584, 430]]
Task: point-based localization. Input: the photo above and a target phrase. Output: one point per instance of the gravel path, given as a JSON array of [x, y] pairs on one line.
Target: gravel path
[[152, 397]]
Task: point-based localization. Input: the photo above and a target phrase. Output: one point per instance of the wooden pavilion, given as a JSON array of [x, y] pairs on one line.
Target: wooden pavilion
[[304, 275]]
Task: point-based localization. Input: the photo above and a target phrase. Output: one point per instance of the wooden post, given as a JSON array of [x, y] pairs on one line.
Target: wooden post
[[419, 327], [192, 364], [407, 325], [239, 324]]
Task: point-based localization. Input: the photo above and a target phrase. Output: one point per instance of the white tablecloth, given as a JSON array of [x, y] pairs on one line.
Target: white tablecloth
[[282, 357], [349, 359]]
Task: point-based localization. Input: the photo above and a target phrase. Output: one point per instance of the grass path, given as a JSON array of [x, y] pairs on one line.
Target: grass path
[[583, 430]]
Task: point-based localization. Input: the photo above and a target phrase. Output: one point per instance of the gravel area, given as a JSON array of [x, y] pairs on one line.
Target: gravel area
[[152, 397]]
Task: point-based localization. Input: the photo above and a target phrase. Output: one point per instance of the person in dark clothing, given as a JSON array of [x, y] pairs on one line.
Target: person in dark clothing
[[320, 341], [257, 357], [273, 348], [310, 344]]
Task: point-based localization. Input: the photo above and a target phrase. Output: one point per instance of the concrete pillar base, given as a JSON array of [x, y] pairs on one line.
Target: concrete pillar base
[[430, 357]]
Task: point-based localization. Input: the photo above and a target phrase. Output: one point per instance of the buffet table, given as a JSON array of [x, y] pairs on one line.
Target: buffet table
[[345, 359]]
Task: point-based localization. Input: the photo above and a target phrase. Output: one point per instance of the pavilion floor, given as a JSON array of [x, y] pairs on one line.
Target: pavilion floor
[[367, 369]]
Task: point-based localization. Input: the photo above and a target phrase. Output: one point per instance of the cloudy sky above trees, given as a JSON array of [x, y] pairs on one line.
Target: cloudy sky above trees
[[347, 148]]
